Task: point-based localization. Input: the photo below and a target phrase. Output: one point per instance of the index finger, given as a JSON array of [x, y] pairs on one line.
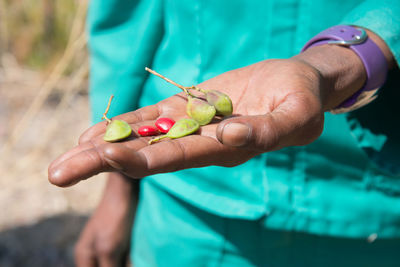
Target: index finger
[[89, 159]]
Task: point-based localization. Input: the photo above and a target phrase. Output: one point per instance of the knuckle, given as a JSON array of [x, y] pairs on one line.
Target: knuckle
[[106, 249], [98, 154], [84, 137], [91, 132], [110, 151], [265, 137]]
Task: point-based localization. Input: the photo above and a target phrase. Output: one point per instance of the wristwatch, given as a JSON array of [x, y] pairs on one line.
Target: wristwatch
[[370, 54]]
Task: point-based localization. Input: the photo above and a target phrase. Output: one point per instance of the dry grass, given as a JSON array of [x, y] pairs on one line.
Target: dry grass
[[43, 110]]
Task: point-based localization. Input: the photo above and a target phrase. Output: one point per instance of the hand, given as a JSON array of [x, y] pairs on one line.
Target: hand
[[104, 241], [277, 103]]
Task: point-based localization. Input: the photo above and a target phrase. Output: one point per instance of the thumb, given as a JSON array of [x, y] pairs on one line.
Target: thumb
[[291, 123], [254, 132]]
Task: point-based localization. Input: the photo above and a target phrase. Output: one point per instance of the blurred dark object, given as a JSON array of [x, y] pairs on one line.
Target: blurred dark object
[[49, 242]]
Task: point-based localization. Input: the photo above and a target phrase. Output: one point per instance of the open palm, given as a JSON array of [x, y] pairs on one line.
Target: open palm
[[276, 103]]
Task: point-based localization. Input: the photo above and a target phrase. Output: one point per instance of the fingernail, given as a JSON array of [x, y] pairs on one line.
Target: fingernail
[[235, 134], [56, 178]]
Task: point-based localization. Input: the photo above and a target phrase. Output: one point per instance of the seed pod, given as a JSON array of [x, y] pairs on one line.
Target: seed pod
[[181, 128], [200, 110], [117, 130], [220, 101], [148, 131], [164, 124]]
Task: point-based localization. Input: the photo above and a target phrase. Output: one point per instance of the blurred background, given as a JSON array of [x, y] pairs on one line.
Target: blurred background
[[43, 109]]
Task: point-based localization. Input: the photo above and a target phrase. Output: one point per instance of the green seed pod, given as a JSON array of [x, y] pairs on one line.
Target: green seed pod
[[117, 130], [200, 110], [181, 128], [220, 101]]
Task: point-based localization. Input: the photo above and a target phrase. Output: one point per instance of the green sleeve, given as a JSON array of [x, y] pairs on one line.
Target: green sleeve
[[383, 18], [123, 38], [376, 126]]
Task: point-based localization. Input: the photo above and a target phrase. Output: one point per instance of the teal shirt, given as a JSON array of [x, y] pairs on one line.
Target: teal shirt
[[346, 183]]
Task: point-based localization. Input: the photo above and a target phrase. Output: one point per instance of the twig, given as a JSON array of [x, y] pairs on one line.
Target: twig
[[108, 107], [156, 139], [184, 88]]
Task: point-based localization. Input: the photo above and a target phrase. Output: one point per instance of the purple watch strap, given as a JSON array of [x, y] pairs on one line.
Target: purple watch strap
[[370, 54]]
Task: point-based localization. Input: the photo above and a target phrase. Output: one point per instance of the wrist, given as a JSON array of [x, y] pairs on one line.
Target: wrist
[[368, 49], [341, 72]]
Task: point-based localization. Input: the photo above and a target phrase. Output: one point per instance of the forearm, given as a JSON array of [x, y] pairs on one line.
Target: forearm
[[121, 192], [105, 238], [341, 70]]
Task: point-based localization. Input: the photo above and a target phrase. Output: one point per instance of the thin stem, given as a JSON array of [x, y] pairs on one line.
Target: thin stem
[[108, 107], [184, 88], [156, 139]]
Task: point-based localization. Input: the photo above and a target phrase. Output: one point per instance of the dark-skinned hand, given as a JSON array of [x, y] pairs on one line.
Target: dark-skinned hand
[[105, 239], [277, 103]]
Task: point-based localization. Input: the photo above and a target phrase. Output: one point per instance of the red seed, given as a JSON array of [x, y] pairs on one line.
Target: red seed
[[164, 124], [148, 131]]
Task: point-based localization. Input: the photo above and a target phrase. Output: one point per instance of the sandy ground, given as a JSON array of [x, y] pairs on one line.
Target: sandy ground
[[39, 223]]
